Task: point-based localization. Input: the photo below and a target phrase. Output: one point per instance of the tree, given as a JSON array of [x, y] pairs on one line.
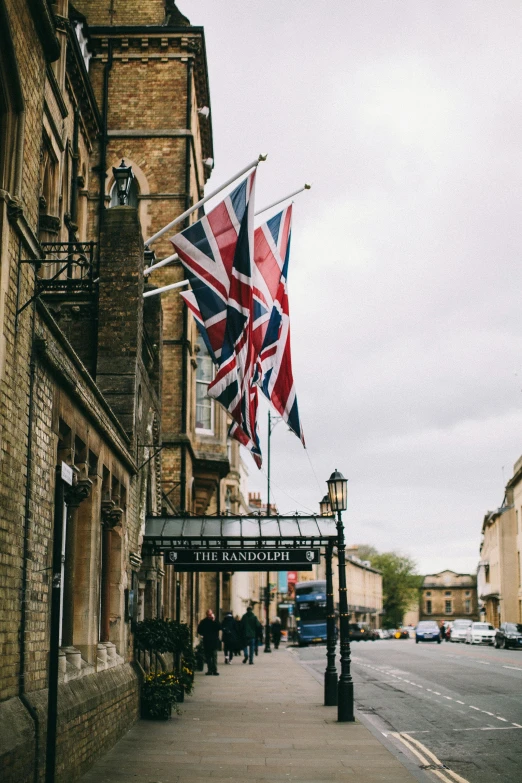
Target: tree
[[400, 582]]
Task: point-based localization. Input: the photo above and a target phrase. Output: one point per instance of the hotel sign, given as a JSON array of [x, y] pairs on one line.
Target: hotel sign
[[242, 559]]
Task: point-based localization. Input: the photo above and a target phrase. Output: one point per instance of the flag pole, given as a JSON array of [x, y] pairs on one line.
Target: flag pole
[[174, 256], [165, 288], [200, 203], [280, 200]]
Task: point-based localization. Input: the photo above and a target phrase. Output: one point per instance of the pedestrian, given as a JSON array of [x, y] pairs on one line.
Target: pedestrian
[[259, 637], [442, 631], [275, 629], [239, 640], [249, 631], [209, 629], [230, 636]]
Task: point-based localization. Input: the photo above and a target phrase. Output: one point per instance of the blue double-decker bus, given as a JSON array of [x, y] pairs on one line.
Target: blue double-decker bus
[[310, 612]]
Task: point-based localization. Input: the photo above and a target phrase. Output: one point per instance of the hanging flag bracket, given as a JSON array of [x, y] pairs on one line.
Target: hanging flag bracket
[[202, 201]]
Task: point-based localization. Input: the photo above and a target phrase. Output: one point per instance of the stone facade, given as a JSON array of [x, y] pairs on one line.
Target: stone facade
[[447, 596], [500, 567], [92, 376], [363, 583]]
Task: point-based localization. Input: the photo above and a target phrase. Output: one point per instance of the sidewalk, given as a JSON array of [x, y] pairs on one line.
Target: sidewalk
[[252, 723]]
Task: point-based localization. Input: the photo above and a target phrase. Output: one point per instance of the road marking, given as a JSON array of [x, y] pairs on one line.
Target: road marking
[[428, 758], [475, 708], [488, 713], [490, 728], [459, 701], [450, 698], [516, 668], [483, 663], [436, 693], [499, 718]]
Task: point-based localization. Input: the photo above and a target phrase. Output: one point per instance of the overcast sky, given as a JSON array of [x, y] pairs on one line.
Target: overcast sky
[[405, 276]]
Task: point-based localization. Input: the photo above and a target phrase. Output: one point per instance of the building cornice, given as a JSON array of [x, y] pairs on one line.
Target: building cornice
[[192, 47], [44, 22]]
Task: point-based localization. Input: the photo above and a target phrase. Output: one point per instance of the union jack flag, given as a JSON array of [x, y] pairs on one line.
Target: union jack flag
[[270, 337], [207, 250], [217, 255], [273, 372]]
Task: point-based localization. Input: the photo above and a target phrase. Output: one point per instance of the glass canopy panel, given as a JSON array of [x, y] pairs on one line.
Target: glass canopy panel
[[231, 528], [172, 527], [327, 526], [250, 528], [308, 528], [289, 528], [154, 526], [269, 527], [211, 528]]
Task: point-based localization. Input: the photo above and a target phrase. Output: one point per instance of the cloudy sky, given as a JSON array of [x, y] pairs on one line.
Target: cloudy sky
[[405, 275]]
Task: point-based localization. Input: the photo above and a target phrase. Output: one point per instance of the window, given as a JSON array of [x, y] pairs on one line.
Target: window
[[448, 592], [467, 606], [447, 607], [428, 592], [204, 375], [428, 607], [468, 592]]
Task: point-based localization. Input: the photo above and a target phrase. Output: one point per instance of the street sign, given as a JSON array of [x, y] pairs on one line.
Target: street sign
[[241, 559], [67, 473]]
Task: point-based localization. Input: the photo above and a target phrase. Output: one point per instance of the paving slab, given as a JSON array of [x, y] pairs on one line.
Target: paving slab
[[258, 723]]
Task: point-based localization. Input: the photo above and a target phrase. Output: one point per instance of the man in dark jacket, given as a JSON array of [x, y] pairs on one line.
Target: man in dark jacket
[[230, 640], [250, 626], [209, 629]]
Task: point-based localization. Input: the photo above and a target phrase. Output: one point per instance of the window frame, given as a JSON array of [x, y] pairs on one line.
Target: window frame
[[202, 353]]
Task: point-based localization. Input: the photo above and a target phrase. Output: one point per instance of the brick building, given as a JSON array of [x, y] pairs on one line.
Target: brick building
[[92, 376], [448, 595]]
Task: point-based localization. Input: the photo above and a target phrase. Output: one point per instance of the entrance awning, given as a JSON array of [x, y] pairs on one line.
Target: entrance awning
[[297, 532]]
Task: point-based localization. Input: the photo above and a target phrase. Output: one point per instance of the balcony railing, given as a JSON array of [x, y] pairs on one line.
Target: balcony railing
[[67, 268]]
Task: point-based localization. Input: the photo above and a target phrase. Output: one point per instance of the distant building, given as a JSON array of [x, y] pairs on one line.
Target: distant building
[[448, 595], [364, 587], [499, 572]]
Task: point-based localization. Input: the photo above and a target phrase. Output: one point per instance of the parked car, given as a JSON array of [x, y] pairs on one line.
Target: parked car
[[360, 632], [480, 633], [380, 633], [509, 635], [401, 633], [427, 631], [459, 630]]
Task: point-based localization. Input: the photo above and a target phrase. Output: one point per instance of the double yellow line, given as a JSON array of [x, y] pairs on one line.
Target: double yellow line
[[428, 759]]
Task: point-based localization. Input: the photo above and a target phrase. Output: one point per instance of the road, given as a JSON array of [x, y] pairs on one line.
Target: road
[[460, 703]]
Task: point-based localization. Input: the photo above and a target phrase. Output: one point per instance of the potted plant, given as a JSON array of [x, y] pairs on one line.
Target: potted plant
[[159, 694]]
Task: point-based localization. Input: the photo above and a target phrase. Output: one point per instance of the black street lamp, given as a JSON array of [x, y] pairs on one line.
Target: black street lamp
[[325, 507], [330, 673], [337, 490], [123, 177]]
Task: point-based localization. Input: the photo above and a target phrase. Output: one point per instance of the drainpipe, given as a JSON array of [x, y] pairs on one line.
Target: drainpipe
[[19, 162], [184, 360], [103, 138], [23, 614], [74, 184]]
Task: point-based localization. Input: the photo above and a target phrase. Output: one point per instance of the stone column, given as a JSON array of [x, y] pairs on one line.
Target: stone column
[[74, 495]]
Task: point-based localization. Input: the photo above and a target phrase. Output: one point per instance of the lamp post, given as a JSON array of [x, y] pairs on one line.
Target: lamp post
[[123, 177], [337, 486], [330, 673]]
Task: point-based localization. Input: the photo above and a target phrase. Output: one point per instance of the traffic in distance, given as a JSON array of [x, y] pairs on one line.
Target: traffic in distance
[[307, 625]]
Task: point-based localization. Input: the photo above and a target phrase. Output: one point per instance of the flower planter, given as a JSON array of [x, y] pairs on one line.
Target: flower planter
[[151, 712]]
